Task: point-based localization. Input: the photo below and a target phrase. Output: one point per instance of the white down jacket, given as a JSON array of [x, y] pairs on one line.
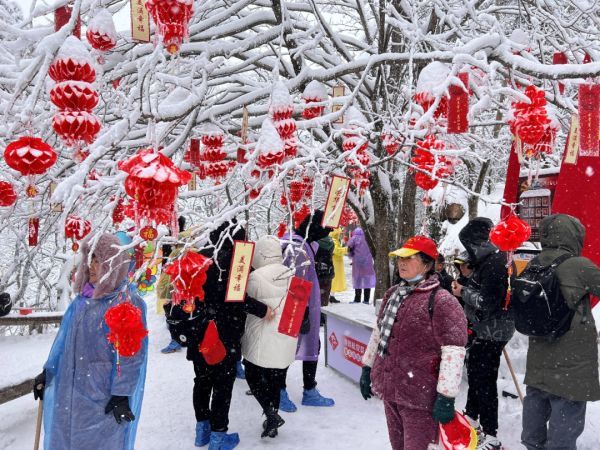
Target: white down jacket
[[262, 344]]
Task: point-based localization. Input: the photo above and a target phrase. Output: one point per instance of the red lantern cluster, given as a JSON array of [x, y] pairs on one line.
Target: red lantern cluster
[[76, 229], [532, 125], [510, 233], [430, 77], [172, 18], [281, 110], [101, 32], [74, 96], [213, 157], [390, 143], [589, 119], [152, 183], [188, 275], [281, 229], [270, 147], [348, 216], [300, 189], [433, 165], [8, 196], [354, 141], [300, 214], [126, 329], [315, 92]]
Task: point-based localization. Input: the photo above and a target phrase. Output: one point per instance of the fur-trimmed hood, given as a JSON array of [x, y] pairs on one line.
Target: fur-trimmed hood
[[114, 264]]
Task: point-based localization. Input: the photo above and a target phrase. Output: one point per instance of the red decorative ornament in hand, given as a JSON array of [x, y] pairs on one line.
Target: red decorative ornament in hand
[[172, 19], [188, 275], [510, 233], [126, 328], [8, 196]]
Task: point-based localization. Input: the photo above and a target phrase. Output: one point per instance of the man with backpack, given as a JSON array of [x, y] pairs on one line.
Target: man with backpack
[[562, 359], [484, 297]]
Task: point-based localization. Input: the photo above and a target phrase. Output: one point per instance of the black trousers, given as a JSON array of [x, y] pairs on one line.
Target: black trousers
[[367, 295], [309, 374], [265, 384], [482, 372], [212, 392]]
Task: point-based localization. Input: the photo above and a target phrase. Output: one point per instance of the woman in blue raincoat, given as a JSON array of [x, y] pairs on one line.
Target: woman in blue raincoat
[[88, 403]]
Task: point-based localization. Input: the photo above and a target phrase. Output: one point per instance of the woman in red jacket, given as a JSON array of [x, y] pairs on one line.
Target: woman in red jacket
[[416, 350]]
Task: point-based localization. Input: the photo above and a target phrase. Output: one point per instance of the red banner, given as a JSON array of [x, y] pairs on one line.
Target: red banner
[[295, 305], [34, 228]]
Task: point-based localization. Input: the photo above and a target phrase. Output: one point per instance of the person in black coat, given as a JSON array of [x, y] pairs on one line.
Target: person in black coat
[[213, 384], [484, 296], [5, 304], [445, 278]]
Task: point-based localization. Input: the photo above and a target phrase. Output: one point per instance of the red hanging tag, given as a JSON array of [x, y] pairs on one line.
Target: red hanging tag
[[458, 106], [212, 347], [295, 304], [560, 58], [34, 228], [589, 119]]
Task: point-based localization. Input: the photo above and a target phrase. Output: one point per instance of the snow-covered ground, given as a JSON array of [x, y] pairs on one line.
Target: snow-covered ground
[[167, 419]]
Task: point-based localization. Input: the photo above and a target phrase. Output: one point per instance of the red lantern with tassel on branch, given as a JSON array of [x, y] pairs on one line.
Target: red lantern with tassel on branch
[[101, 32], [315, 92], [188, 275], [30, 156], [433, 165], [172, 18], [76, 229]]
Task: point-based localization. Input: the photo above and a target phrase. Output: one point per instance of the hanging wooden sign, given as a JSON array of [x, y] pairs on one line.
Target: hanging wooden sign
[[338, 91], [239, 271], [140, 21], [572, 148], [192, 184], [336, 199]]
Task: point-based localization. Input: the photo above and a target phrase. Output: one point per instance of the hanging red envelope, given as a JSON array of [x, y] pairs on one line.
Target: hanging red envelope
[[295, 305], [212, 347]]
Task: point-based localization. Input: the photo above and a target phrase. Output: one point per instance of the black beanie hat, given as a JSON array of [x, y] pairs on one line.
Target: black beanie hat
[[476, 231]]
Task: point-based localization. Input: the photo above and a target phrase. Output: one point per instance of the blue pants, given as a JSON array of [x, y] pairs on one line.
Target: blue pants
[[551, 422]]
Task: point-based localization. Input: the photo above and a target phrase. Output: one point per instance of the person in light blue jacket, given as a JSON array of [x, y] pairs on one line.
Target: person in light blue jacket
[[90, 402]]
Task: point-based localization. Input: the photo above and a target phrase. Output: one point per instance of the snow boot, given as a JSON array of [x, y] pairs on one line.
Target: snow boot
[[313, 397], [332, 299], [239, 371], [270, 425], [173, 347], [220, 440], [488, 442], [285, 404], [202, 433]]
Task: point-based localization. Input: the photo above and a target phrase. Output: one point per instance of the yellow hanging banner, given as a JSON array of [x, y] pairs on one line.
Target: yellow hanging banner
[[239, 271], [140, 21], [338, 191]]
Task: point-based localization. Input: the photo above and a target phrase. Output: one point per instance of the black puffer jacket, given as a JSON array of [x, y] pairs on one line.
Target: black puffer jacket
[[485, 293], [5, 304]]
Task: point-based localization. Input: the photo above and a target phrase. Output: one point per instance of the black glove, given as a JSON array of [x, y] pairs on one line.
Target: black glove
[[39, 384], [443, 409], [5, 304], [119, 406], [305, 327], [365, 383]]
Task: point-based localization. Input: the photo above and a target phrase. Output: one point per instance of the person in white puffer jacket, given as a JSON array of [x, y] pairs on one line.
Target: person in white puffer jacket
[[268, 353]]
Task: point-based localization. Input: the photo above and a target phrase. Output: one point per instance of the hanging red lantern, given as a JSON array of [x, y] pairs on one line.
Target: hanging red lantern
[[281, 229], [430, 78], [76, 127], [212, 348], [29, 155], [435, 166], [101, 32], [589, 119], [62, 16], [153, 184], [458, 105], [270, 147], [348, 216], [172, 19], [509, 234], [63, 69], [315, 92], [254, 193], [390, 143], [8, 196], [126, 329], [192, 155], [118, 214], [281, 108], [188, 275], [300, 214], [74, 96], [77, 228]]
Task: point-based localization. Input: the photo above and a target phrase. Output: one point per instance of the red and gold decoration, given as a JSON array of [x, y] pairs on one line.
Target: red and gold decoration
[[458, 434], [126, 330], [101, 32], [188, 275], [33, 229], [239, 271], [152, 184], [336, 200], [30, 156], [433, 167], [458, 105], [118, 213], [531, 125], [192, 155], [172, 18], [589, 119], [8, 196], [76, 229], [357, 145], [281, 109], [295, 304], [315, 92]]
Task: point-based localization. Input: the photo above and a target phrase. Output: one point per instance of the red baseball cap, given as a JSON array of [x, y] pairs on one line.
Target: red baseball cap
[[415, 245]]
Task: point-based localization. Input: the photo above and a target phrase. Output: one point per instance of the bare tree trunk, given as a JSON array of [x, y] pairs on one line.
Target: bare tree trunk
[[407, 212], [477, 187]]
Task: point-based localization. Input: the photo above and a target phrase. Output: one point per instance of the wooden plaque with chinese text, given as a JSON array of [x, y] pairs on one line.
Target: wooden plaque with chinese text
[[336, 199], [239, 271], [140, 21]]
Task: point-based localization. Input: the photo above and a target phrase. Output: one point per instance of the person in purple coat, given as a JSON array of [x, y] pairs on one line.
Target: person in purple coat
[[416, 350], [363, 272], [300, 255]]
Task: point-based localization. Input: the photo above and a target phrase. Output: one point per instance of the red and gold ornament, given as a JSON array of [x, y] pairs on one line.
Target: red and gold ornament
[[172, 19], [188, 275], [8, 196], [126, 330]]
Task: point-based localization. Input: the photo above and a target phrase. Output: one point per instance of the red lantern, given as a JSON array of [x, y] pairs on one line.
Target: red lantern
[[126, 328], [390, 143], [29, 155], [212, 348], [430, 78], [192, 156], [281, 229], [300, 214], [75, 127], [188, 275], [74, 96], [438, 166], [254, 193], [458, 105], [281, 109], [152, 184], [8, 196], [101, 32], [589, 119], [77, 228], [315, 92], [270, 147], [172, 18], [510, 233], [62, 16]]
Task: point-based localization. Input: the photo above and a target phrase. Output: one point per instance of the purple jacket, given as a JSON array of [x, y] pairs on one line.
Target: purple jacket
[[408, 374], [363, 272], [295, 255]]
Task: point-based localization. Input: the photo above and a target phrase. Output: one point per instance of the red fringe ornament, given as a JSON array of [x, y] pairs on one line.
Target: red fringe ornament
[[126, 329], [188, 275], [8, 196]]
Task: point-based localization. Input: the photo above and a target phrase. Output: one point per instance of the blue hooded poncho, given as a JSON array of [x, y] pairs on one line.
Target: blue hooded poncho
[[81, 371]]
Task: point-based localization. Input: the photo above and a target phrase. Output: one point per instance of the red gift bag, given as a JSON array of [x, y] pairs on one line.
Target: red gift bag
[[212, 347], [295, 305]]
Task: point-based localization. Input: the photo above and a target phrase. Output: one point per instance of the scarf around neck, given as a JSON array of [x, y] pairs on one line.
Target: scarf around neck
[[388, 318]]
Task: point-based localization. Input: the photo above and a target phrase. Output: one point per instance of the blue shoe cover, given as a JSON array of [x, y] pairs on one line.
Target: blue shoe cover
[[312, 397], [239, 371], [202, 433], [173, 347], [285, 404], [219, 440]]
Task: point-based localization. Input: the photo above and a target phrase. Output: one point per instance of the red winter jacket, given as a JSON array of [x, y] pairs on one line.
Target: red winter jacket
[[408, 374]]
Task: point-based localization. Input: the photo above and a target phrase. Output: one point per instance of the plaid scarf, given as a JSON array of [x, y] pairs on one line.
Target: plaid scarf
[[388, 318]]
